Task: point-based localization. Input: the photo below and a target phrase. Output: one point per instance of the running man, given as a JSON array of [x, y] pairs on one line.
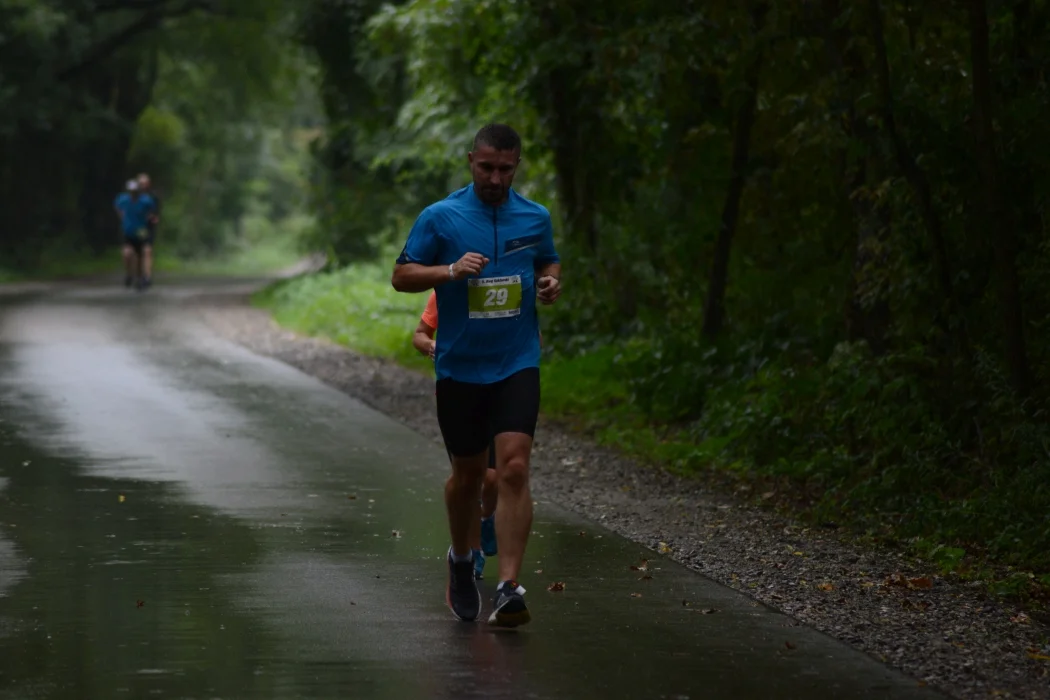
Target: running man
[[134, 210], [489, 254], [483, 539]]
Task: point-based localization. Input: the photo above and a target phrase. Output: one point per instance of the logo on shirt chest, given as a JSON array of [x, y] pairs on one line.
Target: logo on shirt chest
[[520, 243]]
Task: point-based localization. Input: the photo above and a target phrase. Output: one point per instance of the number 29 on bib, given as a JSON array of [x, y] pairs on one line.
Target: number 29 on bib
[[494, 297]]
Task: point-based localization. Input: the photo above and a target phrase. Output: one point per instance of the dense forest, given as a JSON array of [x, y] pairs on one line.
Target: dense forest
[[810, 237]]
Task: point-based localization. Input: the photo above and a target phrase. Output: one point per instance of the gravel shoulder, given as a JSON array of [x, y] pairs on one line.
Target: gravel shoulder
[[943, 632]]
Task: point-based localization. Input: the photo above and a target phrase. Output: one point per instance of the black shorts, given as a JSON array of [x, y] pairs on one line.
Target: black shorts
[[137, 244], [470, 415], [492, 454]]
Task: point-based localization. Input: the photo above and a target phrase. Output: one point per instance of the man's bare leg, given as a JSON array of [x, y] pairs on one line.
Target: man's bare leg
[[147, 262], [489, 493], [130, 263], [514, 508], [461, 501]]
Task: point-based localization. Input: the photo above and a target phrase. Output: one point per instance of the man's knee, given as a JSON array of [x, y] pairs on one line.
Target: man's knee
[[514, 472]]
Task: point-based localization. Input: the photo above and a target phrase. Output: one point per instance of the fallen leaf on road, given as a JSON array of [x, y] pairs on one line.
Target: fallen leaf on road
[[352, 497], [647, 577], [705, 611], [825, 586], [644, 566], [636, 595], [139, 603], [663, 548], [582, 533], [120, 498], [539, 571], [396, 534], [556, 586], [789, 645]]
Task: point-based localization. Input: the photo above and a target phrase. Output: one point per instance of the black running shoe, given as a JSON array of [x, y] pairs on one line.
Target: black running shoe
[[462, 595], [508, 609]]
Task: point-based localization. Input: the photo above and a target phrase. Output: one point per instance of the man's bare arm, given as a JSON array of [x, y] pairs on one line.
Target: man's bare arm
[[549, 270], [548, 283], [413, 277]]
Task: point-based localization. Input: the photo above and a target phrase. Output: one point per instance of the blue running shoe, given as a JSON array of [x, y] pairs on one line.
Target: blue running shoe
[[488, 536], [479, 564]]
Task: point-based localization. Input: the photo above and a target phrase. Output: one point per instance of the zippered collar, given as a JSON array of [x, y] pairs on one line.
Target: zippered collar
[[489, 208]]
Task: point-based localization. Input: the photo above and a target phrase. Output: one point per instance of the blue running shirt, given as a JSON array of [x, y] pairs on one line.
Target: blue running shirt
[[489, 324], [136, 212]]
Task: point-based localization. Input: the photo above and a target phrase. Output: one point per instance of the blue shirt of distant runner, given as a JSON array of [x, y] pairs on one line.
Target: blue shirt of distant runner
[[136, 212], [517, 237]]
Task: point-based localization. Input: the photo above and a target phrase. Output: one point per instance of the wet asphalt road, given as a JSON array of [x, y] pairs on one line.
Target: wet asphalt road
[[180, 518]]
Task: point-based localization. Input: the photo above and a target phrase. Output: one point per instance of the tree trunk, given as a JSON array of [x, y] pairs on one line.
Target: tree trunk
[[906, 161], [997, 217], [714, 304], [867, 308]]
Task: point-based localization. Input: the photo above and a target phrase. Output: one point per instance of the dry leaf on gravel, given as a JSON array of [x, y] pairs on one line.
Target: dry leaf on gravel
[[825, 586], [556, 586], [1021, 619], [900, 581], [663, 548]]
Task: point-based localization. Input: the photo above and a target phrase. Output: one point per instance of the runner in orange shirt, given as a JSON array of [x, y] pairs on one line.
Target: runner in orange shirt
[[484, 536]]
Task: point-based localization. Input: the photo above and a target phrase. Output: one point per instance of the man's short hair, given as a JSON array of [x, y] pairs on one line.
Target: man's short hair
[[498, 136]]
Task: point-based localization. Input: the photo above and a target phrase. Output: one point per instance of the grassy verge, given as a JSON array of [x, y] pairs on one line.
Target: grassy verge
[[256, 259], [775, 432]]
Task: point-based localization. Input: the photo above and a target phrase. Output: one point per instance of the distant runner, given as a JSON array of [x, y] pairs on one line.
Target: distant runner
[[146, 187], [483, 539], [135, 210], [489, 254]]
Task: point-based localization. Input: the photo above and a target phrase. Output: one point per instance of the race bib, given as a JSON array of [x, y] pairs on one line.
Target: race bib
[[494, 297]]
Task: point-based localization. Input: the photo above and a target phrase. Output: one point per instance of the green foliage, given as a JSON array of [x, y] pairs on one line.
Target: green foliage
[[873, 345], [354, 306]]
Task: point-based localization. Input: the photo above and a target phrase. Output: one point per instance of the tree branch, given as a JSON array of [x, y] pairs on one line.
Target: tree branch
[[149, 21]]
